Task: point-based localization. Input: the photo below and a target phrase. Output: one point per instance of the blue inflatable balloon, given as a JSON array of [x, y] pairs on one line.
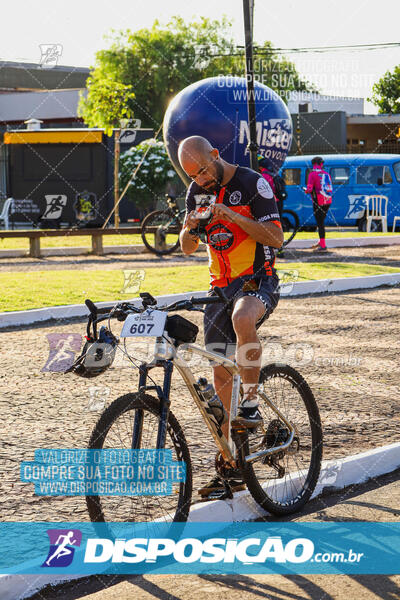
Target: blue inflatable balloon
[[216, 108]]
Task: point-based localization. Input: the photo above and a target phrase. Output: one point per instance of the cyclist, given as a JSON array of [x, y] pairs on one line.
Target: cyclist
[[241, 236], [319, 185]]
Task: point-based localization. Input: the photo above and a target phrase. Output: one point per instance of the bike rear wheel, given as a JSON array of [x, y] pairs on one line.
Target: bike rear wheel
[[284, 482], [291, 223], [160, 231], [114, 430]]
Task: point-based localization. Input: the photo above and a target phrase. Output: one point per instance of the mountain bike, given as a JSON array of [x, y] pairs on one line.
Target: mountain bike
[[279, 461], [160, 228]]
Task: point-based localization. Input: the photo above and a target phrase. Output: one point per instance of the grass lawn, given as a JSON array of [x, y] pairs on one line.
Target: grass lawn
[[135, 239], [36, 289]]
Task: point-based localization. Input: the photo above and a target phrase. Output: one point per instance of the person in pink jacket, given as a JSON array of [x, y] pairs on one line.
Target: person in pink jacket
[[267, 171], [319, 185]]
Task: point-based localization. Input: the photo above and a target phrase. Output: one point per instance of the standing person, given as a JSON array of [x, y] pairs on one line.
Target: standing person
[[278, 187], [319, 185], [276, 182], [241, 236]]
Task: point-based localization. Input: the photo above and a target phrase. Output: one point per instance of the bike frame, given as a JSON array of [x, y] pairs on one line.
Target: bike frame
[[167, 356]]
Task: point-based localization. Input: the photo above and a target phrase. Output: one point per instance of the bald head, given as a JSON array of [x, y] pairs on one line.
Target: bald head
[[202, 162], [194, 149]]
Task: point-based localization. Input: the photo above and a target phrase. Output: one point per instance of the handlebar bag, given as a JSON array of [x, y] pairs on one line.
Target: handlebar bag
[[181, 329]]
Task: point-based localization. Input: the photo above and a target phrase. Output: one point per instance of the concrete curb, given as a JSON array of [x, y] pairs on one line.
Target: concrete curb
[[342, 284], [69, 311], [335, 475], [299, 288]]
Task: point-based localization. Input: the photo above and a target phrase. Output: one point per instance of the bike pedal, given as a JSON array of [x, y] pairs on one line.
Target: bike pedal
[[225, 495]]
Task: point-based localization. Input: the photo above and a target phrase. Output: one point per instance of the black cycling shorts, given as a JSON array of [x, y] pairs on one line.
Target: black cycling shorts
[[219, 335]]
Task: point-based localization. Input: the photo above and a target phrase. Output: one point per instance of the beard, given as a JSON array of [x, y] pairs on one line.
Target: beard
[[218, 176]]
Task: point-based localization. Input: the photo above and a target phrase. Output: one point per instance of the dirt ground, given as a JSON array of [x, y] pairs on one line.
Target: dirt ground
[[349, 353]]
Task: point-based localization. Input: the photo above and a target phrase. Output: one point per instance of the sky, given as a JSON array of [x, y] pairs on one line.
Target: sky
[[80, 26]]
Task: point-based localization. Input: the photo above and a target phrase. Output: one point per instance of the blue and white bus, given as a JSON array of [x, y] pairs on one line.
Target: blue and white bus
[[354, 176]]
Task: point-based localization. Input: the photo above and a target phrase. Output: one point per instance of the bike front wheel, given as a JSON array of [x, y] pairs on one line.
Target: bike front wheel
[[283, 482], [114, 430], [160, 231]]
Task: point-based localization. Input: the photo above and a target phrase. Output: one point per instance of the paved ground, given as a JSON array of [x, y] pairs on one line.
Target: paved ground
[[377, 500], [347, 347], [382, 255]]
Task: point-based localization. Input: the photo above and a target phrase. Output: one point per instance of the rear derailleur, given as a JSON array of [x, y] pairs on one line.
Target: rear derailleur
[[277, 435]]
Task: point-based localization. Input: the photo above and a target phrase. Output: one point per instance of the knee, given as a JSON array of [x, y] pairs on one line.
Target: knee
[[243, 322]]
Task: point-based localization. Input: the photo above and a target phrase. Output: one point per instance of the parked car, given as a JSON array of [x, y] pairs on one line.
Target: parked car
[[354, 176]]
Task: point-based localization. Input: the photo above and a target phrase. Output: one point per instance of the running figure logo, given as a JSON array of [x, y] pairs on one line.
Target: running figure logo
[[63, 347], [54, 206], [50, 53], [357, 206], [132, 280], [62, 542]]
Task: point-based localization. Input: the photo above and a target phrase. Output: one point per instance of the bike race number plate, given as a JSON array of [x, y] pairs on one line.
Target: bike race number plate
[[149, 323]]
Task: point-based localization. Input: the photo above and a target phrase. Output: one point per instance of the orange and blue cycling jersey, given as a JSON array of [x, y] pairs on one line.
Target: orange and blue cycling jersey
[[232, 252]]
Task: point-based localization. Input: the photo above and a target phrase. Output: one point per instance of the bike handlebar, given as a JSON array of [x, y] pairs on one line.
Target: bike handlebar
[[122, 310]]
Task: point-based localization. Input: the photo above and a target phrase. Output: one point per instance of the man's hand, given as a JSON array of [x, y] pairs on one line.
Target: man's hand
[[189, 242], [220, 211], [267, 234], [192, 221]]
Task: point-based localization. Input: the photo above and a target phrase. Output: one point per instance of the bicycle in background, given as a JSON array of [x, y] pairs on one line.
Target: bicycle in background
[[161, 228]]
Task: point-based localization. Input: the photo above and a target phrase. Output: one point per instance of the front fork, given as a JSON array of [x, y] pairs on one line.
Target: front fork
[[163, 395]]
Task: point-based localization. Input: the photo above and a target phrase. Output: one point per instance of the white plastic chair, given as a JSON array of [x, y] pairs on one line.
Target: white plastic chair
[[376, 210], [5, 212], [394, 223]]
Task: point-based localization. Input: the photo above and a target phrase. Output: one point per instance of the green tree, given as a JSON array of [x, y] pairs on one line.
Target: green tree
[[276, 72], [161, 61], [386, 92], [106, 103], [152, 179]]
